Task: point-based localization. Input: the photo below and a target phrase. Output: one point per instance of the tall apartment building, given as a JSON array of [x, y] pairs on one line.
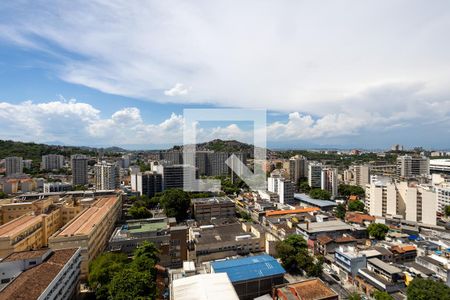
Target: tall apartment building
[[361, 175], [107, 176], [282, 187], [443, 196], [174, 176], [148, 183], [440, 166], [298, 167], [52, 162], [329, 181], [79, 164], [89, 230], [414, 203], [13, 165], [411, 166], [315, 175]]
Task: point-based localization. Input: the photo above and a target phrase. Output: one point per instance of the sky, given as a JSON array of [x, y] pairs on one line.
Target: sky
[[342, 74]]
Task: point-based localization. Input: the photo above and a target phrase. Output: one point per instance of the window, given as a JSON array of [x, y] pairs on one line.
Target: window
[[32, 263]]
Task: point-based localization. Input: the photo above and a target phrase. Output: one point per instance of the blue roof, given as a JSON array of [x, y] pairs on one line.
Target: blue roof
[[316, 202], [248, 268]]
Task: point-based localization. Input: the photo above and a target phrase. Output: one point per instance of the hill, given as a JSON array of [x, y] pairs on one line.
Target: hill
[[219, 145]]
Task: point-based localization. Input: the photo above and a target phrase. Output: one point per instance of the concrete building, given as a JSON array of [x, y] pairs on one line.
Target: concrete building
[[310, 289], [222, 240], [203, 287], [79, 164], [53, 187], [282, 187], [379, 275], [349, 260], [443, 196], [13, 165], [27, 163], [362, 175], [414, 203], [298, 168], [44, 274], [333, 228], [169, 238], [251, 276], [90, 229], [213, 208], [439, 265], [106, 176], [147, 183], [412, 166], [440, 166], [174, 176], [314, 175], [52, 162], [329, 181]]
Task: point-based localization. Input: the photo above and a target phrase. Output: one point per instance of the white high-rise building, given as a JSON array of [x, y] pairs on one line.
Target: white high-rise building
[[13, 165], [414, 203], [79, 164], [107, 176], [361, 175], [283, 187], [443, 196], [297, 168], [330, 181], [315, 175], [52, 162]]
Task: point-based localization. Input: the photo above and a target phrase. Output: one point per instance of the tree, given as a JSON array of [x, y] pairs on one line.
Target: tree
[[320, 194], [295, 258], [381, 295], [340, 211], [3, 195], [139, 212], [347, 190], [315, 269], [377, 231], [103, 269], [356, 206], [426, 289], [176, 203], [130, 284], [447, 211], [354, 296], [304, 187]]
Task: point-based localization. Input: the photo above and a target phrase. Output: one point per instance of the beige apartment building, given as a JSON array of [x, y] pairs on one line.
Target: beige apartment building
[[90, 229]]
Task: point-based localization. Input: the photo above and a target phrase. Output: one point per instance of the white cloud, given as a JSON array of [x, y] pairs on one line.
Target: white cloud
[[178, 90]]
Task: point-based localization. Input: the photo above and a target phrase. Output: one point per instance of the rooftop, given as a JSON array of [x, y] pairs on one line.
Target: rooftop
[[248, 268], [17, 225], [221, 233], [31, 283], [333, 225], [291, 211], [312, 289], [211, 200], [384, 266], [25, 255], [215, 286], [315, 202], [83, 223]]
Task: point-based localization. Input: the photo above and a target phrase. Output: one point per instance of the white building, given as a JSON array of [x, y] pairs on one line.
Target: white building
[[298, 167], [440, 166], [51, 187], [282, 187], [329, 181], [315, 175], [52, 162], [414, 203], [13, 165], [361, 175], [79, 164], [107, 176], [443, 196], [410, 166]]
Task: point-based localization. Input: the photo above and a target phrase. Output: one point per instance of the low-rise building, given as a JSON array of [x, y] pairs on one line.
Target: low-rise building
[[403, 253], [439, 265], [325, 244], [332, 228], [380, 275], [215, 207], [203, 287], [310, 289], [44, 274], [251, 276], [349, 260]]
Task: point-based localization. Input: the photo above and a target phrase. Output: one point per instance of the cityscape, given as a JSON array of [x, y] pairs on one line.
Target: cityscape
[[256, 150]]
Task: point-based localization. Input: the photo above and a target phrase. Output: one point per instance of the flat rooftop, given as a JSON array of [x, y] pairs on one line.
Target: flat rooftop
[[215, 286], [384, 266], [221, 233], [212, 200], [25, 255], [30, 284], [333, 225], [314, 202], [83, 223], [17, 225]]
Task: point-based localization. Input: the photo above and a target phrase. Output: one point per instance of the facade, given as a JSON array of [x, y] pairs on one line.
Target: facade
[[107, 176], [174, 176], [282, 187], [414, 203], [216, 207], [170, 239], [443, 197], [79, 164], [349, 260], [13, 165], [298, 168], [41, 274], [411, 166], [148, 183], [53, 187], [251, 276], [440, 166], [314, 175], [89, 230], [329, 181], [52, 162], [362, 175], [381, 276]]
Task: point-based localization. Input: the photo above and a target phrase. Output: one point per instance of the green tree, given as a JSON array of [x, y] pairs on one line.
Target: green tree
[[316, 268], [3, 195], [447, 211], [102, 270], [425, 289], [139, 212], [340, 211], [304, 187], [295, 258], [377, 231], [320, 194], [354, 296], [130, 284], [356, 206], [381, 295], [176, 203], [347, 190]]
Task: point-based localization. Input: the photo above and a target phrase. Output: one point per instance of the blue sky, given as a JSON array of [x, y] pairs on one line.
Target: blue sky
[[116, 73]]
